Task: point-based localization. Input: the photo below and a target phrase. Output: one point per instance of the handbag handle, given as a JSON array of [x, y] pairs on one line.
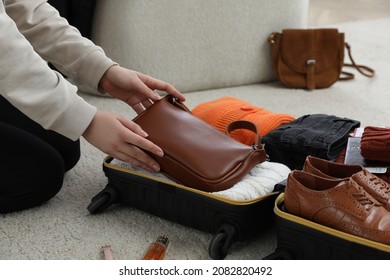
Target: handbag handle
[[239, 124], [243, 124], [176, 102], [368, 72]]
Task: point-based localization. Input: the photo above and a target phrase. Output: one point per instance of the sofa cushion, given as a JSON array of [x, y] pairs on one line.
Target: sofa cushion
[[195, 44]]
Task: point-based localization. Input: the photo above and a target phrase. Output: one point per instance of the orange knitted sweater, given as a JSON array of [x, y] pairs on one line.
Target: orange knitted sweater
[[220, 112]]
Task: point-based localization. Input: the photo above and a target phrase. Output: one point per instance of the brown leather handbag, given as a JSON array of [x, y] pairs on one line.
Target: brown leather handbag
[[196, 154], [312, 58]]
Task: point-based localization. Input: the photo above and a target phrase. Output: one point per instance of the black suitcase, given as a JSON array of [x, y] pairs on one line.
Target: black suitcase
[[229, 220], [298, 238]]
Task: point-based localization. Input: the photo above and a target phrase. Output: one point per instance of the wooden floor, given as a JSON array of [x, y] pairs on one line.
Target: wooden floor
[[322, 12]]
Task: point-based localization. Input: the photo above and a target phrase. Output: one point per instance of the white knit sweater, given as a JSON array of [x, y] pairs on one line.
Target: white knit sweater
[[259, 182]]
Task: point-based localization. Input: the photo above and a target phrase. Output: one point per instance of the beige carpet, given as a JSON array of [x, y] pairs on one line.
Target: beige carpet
[[63, 228]]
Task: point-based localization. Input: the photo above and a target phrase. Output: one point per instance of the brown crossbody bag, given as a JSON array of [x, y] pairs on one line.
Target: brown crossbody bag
[[312, 58], [196, 154]]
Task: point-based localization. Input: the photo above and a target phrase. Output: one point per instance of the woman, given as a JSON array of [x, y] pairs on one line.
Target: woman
[[41, 115]]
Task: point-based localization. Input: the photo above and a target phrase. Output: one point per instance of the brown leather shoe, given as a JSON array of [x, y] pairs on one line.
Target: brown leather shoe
[[374, 185], [339, 204], [330, 169]]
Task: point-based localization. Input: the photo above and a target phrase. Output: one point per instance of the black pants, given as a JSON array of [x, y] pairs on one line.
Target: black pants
[[320, 135], [33, 160], [79, 13]]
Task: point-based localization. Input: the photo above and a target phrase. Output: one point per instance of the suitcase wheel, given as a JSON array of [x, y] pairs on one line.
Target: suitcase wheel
[[222, 241], [280, 254], [100, 202]]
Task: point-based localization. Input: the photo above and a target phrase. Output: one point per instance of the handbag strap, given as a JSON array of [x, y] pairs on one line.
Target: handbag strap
[[243, 124], [176, 102], [239, 124], [364, 70]]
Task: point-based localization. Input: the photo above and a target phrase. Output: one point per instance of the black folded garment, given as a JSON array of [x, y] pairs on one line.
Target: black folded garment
[[320, 135]]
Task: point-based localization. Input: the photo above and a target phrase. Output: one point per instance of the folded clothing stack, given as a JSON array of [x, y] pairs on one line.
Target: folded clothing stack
[[260, 181], [375, 144], [320, 135], [220, 112]]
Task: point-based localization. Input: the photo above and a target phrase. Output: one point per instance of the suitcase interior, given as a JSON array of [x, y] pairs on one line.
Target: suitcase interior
[[235, 220], [298, 238]]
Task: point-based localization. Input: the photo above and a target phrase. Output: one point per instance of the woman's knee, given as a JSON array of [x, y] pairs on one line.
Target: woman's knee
[[50, 179], [32, 188], [33, 170], [71, 153]]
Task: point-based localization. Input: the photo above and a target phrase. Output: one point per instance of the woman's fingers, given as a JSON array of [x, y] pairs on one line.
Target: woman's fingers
[[123, 139], [133, 160], [137, 138]]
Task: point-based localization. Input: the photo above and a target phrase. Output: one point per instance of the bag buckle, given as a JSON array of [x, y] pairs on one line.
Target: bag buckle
[[311, 62], [255, 146], [271, 38]]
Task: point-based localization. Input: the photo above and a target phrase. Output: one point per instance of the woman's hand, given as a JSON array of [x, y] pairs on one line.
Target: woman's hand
[[123, 139], [134, 88], [118, 136]]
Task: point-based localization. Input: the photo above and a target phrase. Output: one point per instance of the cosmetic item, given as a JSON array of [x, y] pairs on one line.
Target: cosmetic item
[[107, 252], [157, 249]]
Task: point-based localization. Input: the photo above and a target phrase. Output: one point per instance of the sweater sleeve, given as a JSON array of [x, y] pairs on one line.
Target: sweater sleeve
[[30, 85], [59, 43]]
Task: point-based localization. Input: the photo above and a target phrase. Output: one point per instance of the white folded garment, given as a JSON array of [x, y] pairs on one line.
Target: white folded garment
[[260, 181]]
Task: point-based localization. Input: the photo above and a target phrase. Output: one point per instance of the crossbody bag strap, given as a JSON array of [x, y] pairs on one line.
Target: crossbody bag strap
[[176, 102], [364, 70], [242, 124]]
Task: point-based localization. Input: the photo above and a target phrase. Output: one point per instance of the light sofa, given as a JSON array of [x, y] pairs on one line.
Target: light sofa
[[195, 44]]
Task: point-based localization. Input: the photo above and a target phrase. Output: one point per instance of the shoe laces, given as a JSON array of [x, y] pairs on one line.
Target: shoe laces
[[365, 200], [380, 185]]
